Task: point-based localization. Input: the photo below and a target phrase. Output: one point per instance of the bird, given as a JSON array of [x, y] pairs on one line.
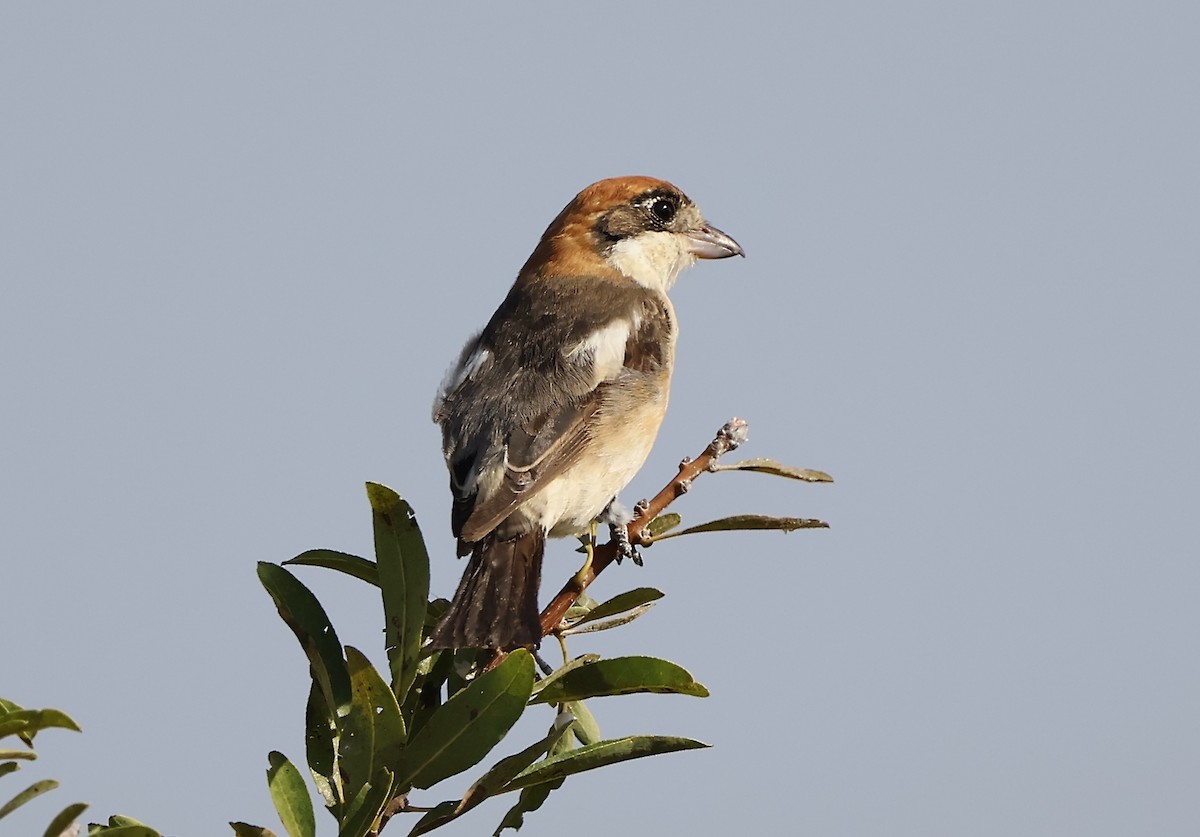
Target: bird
[[553, 407]]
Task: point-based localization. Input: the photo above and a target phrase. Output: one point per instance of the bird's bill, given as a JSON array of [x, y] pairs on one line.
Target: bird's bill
[[710, 243]]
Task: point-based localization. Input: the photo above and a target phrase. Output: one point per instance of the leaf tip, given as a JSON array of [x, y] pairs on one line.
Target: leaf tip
[[381, 497]]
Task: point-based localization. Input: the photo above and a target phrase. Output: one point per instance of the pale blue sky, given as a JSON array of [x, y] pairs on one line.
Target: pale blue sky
[[240, 243]]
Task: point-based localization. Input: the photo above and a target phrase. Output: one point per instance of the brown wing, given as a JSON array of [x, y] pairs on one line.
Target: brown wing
[[536, 453]]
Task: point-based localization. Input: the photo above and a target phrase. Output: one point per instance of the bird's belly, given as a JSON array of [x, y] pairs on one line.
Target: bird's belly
[[569, 504]]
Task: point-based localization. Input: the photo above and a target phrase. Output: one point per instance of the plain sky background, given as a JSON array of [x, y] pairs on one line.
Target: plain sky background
[[241, 242]]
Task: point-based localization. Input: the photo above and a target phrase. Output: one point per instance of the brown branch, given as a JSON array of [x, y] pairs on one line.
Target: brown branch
[[729, 437]]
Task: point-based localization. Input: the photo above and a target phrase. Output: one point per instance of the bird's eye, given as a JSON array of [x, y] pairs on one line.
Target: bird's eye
[[663, 209]]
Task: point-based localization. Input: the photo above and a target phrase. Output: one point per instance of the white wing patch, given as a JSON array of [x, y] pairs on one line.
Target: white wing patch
[[470, 361], [473, 364], [604, 348]]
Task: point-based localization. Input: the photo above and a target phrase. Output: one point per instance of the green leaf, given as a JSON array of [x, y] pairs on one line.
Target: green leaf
[[438, 816], [319, 731], [585, 727], [65, 819], [468, 662], [381, 733], [390, 733], [404, 578], [620, 603], [27, 755], [561, 671], [621, 676], [425, 695], [245, 829], [9, 767], [663, 523], [305, 616], [763, 465], [433, 614], [355, 749], [490, 783], [609, 624], [122, 820], [290, 796], [530, 800], [32, 792], [583, 605], [28, 722], [464, 729], [48, 718], [9, 711], [600, 754], [134, 830], [505, 770], [343, 562], [10, 725], [366, 807], [740, 522]]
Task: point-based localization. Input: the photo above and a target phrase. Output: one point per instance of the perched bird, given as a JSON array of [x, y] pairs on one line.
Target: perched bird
[[553, 407]]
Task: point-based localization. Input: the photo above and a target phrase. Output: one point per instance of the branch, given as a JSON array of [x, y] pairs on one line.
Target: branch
[[728, 438]]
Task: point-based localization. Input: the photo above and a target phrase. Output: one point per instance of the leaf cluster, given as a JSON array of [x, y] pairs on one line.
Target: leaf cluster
[[24, 724], [374, 739]]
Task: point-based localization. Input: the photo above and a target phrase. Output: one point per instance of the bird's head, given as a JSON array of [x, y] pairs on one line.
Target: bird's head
[[639, 227]]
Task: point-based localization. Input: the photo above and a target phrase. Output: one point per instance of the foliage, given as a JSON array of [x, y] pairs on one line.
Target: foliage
[[374, 738], [25, 724]]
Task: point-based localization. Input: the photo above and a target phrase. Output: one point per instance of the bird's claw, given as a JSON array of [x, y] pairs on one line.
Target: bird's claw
[[625, 548]]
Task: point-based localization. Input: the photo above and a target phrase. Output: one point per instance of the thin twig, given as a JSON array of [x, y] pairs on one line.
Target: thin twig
[[728, 438]]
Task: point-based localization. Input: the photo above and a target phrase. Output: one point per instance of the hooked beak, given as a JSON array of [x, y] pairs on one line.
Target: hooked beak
[[710, 243]]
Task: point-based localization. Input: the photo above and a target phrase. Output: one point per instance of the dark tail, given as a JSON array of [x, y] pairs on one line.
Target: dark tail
[[496, 604]]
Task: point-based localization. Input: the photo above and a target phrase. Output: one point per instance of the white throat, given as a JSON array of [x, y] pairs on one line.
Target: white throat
[[652, 259]]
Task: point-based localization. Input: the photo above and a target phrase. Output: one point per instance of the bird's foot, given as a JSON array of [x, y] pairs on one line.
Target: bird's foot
[[625, 548]]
